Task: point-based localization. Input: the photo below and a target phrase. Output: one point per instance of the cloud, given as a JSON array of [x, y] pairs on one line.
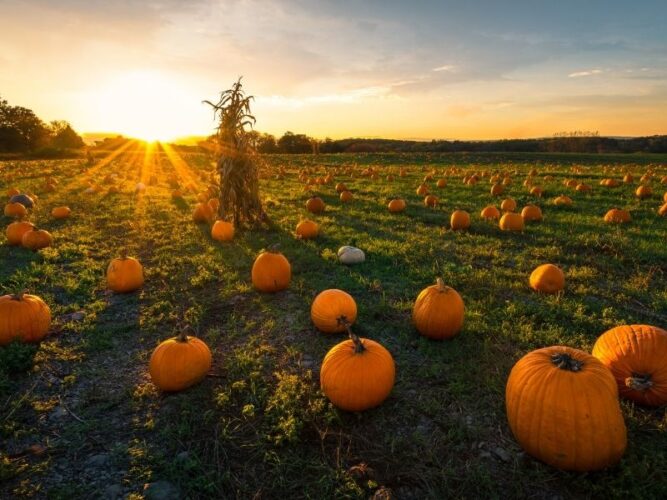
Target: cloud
[[589, 72], [446, 67]]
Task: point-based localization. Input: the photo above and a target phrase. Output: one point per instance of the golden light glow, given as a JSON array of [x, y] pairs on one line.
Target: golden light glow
[[143, 104]]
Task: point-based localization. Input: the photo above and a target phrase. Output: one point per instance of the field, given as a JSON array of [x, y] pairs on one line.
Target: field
[[80, 418]]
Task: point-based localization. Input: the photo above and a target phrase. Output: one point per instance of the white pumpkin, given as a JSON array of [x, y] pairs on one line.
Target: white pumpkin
[[351, 255]]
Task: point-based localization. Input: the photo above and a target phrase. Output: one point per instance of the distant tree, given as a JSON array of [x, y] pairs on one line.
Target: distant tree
[[295, 143], [20, 129], [64, 136], [266, 143]]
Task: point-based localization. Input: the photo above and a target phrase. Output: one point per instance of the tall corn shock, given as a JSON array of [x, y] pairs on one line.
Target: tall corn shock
[[238, 166]]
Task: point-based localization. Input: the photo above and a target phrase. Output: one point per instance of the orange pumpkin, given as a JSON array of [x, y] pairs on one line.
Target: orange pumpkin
[[563, 200], [441, 183], [179, 363], [536, 191], [643, 192], [36, 239], [333, 311], [15, 210], [396, 205], [222, 231], [497, 189], [531, 213], [547, 278], [315, 205], [511, 221], [438, 312], [422, 190], [125, 274], [340, 187], [346, 196], [61, 212], [307, 229], [490, 212], [583, 188], [637, 358], [662, 211], [459, 220], [202, 213], [271, 271], [24, 317], [16, 230], [562, 407], [508, 205], [431, 201], [617, 216], [357, 374]]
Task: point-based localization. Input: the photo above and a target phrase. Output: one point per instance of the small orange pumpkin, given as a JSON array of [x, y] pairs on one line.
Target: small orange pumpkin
[[61, 212], [15, 210], [431, 201], [531, 213], [508, 205], [202, 213], [315, 205], [271, 271], [179, 363], [490, 212], [441, 183], [459, 220], [563, 200], [333, 311], [307, 229], [396, 205], [222, 230], [547, 278], [422, 190], [16, 230], [617, 216], [36, 239], [23, 316], [497, 189], [438, 312], [643, 192], [125, 274], [511, 221], [346, 196]]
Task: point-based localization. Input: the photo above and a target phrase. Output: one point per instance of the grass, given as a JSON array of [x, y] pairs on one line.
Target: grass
[[258, 426]]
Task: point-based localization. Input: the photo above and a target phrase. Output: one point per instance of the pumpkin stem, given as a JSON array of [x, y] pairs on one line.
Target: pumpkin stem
[[273, 248], [441, 285], [639, 382], [566, 362], [183, 333], [19, 295], [358, 344], [123, 254]]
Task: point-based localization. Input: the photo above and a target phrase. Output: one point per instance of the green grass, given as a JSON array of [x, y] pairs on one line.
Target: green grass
[[259, 426]]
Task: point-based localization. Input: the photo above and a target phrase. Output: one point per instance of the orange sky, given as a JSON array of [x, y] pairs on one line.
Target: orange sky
[[340, 69]]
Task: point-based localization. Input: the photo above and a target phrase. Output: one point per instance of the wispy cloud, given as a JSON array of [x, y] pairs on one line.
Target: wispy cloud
[[590, 72], [446, 67]]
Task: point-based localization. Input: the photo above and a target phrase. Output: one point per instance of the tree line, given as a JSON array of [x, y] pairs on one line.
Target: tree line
[[561, 142], [22, 131]]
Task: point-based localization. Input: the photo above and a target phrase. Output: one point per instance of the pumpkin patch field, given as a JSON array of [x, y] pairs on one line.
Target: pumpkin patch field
[[148, 351]]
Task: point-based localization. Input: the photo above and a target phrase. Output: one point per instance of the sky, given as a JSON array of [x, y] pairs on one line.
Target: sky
[[476, 69]]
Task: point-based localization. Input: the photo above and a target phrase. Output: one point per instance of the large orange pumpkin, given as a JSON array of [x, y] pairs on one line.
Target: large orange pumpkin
[[271, 271], [511, 221], [24, 317], [357, 374], [125, 274], [637, 358], [562, 407], [438, 312], [36, 239], [16, 230], [222, 231], [179, 363], [547, 278], [333, 311], [307, 229]]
